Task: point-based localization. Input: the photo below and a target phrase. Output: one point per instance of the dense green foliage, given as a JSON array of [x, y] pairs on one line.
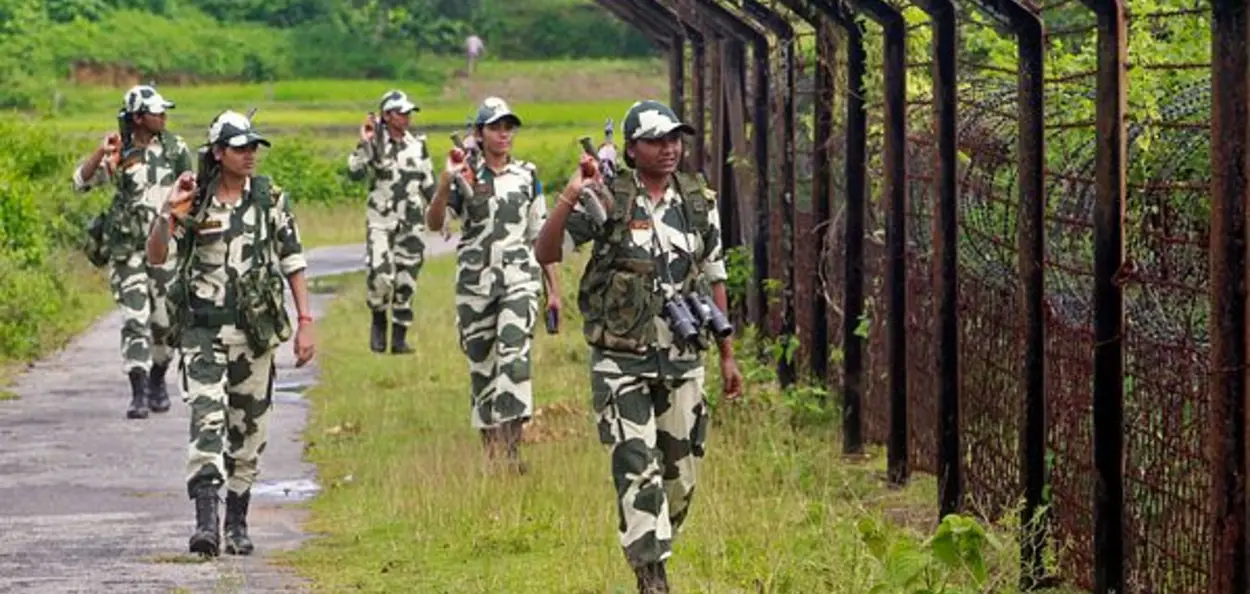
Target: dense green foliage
[[39, 219], [253, 40]]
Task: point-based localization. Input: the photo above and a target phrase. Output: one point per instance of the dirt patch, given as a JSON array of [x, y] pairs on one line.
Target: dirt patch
[[570, 86], [91, 73], [556, 422]]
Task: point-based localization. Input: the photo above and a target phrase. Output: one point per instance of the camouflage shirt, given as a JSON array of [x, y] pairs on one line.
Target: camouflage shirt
[[658, 230], [403, 183], [500, 223], [223, 250], [143, 177]]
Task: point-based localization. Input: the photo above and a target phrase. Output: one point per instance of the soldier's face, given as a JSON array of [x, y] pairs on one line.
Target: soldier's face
[[238, 160], [657, 155], [497, 137], [152, 122], [398, 120]]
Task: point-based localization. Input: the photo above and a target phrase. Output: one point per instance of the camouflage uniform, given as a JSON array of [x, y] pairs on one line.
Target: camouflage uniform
[[227, 381], [143, 178], [402, 187], [497, 283], [648, 392]]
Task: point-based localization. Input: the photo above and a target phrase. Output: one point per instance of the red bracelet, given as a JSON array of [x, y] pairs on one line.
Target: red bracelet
[[303, 319]]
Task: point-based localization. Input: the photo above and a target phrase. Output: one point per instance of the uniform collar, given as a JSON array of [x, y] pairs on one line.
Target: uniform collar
[[671, 195]]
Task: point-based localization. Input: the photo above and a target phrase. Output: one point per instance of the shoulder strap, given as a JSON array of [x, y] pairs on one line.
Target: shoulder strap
[[624, 192], [695, 205], [262, 201]]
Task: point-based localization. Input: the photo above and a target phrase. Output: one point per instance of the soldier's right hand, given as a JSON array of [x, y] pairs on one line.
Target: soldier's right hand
[[111, 143], [587, 173], [457, 164], [367, 129], [179, 201]]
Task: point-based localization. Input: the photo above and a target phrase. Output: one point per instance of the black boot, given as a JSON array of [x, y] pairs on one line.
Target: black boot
[[399, 340], [158, 396], [207, 537], [652, 579], [138, 395], [377, 334], [237, 542]]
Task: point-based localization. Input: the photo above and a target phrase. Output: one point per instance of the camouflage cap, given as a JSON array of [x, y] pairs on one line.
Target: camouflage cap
[[397, 100], [232, 128], [652, 119], [145, 99], [492, 110]]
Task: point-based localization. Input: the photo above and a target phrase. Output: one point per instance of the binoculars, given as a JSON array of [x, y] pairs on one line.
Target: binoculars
[[688, 314]]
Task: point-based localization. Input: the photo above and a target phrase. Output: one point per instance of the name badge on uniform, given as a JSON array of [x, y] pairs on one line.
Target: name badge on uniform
[[208, 224]]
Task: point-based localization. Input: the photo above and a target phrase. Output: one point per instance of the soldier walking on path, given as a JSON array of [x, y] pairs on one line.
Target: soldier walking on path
[[142, 160], [646, 298], [500, 202], [402, 186], [237, 240]]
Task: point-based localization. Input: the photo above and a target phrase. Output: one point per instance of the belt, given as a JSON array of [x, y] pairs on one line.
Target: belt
[[213, 316]]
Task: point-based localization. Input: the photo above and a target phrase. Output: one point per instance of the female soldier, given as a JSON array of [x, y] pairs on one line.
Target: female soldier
[[142, 162], [497, 276], [403, 183], [236, 239]]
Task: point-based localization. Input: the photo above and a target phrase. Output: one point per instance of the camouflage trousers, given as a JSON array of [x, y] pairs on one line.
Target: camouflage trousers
[[229, 390], [395, 256], [495, 335], [140, 290], [656, 428]]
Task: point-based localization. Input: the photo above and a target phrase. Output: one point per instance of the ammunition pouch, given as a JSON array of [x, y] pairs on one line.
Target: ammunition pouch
[[116, 233], [94, 246], [261, 310], [619, 301]]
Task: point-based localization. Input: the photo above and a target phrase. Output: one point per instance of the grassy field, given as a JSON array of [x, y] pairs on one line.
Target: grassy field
[[410, 506]]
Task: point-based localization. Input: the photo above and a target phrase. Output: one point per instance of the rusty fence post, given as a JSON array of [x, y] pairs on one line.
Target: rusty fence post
[[855, 166], [945, 256], [1230, 123], [1108, 395], [895, 182], [822, 186], [775, 23]]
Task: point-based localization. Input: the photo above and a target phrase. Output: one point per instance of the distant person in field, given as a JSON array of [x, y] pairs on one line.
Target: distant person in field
[[142, 161], [401, 189], [473, 48]]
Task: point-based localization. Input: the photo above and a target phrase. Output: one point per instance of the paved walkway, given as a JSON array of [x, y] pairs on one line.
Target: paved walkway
[[93, 502]]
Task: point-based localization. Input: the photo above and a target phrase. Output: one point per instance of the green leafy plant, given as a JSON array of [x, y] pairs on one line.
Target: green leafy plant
[[951, 561]]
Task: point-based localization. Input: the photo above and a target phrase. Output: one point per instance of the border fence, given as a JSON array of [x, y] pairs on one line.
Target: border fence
[[1011, 234]]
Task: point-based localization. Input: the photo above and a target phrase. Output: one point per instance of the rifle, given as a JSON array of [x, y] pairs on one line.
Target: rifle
[[596, 208], [379, 138], [458, 155]]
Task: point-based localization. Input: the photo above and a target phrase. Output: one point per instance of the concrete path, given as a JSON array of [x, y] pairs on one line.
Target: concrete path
[[93, 502]]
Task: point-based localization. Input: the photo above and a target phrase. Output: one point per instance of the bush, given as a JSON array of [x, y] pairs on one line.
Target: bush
[[43, 292], [306, 176]]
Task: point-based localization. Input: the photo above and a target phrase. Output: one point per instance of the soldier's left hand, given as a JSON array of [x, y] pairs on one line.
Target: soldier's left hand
[[731, 378], [305, 344]]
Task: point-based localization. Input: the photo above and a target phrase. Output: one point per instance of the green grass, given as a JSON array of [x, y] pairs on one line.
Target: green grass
[[409, 505]]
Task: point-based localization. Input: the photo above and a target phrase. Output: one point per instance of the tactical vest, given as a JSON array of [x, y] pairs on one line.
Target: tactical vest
[[619, 295], [259, 311]]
